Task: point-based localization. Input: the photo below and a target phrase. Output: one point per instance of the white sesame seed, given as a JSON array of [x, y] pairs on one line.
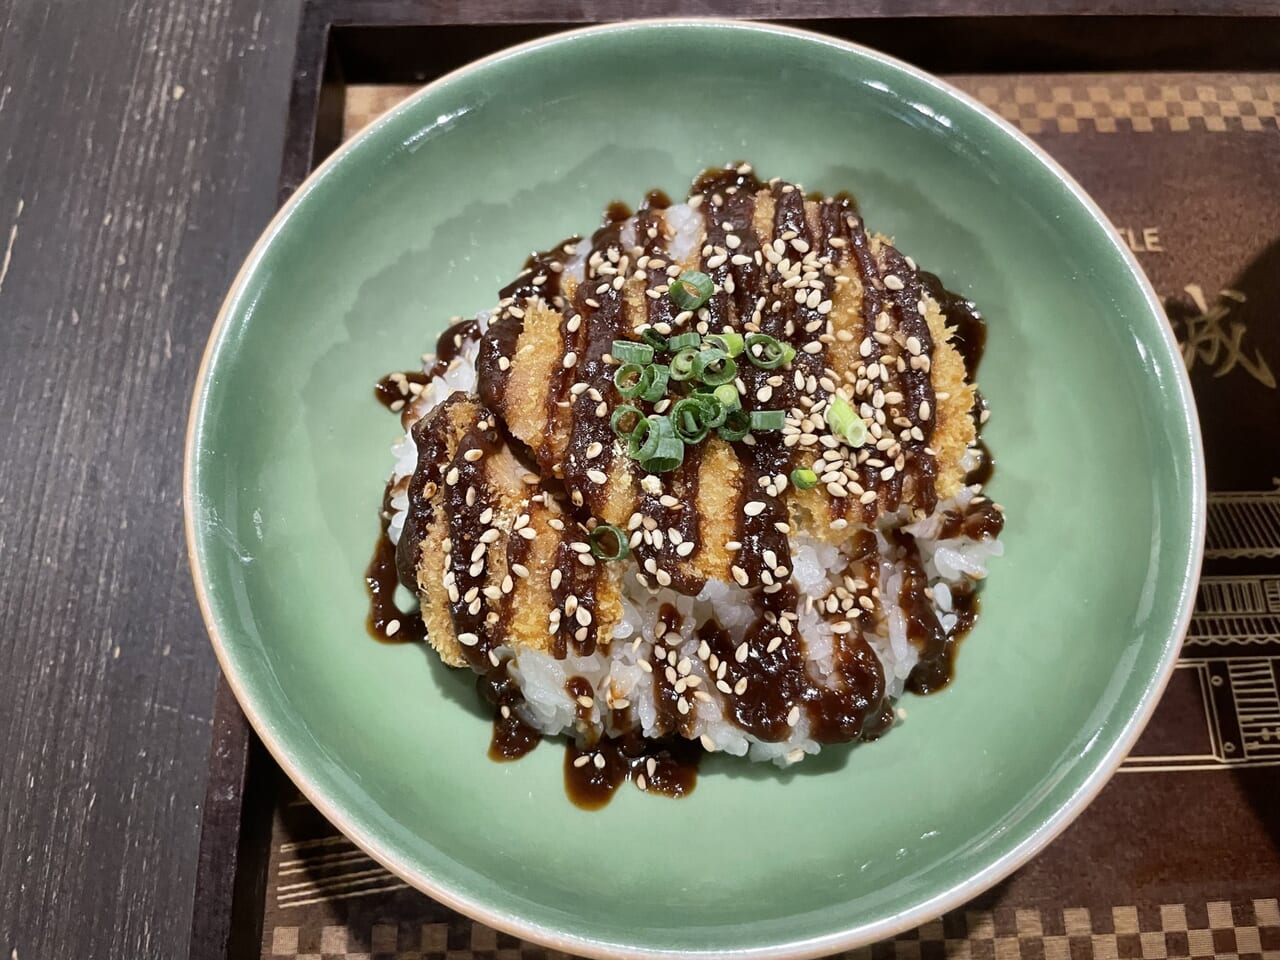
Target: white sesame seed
[[793, 716], [472, 455], [892, 282], [581, 761], [468, 639], [753, 508], [393, 627], [599, 761], [597, 476], [569, 360]]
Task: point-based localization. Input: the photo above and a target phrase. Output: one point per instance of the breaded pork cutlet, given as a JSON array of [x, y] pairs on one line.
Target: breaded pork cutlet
[[860, 320], [708, 476]]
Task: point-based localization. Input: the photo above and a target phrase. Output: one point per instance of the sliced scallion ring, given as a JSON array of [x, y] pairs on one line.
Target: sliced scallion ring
[[602, 549], [661, 450], [767, 352], [845, 422], [628, 351], [730, 343], [768, 419], [654, 339], [727, 394], [802, 478], [629, 379], [736, 426], [690, 290], [682, 364], [654, 382], [714, 367], [625, 419], [682, 340], [694, 417]]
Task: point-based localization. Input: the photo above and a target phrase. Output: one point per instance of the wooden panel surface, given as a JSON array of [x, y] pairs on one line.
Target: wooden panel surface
[[139, 148]]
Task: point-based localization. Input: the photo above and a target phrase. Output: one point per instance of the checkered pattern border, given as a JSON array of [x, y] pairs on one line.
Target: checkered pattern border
[[1222, 930], [1121, 105], [1075, 103]]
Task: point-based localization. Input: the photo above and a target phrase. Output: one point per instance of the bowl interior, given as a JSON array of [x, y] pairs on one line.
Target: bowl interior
[[424, 217]]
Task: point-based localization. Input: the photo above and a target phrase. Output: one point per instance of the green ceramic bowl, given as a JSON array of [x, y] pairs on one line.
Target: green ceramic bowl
[[423, 216]]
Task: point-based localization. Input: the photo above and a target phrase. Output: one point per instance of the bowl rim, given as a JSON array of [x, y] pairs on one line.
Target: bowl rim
[[796, 949]]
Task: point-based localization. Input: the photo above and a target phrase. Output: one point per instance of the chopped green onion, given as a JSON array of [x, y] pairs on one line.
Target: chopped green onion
[[768, 419], [653, 338], [690, 290], [772, 354], [727, 394], [647, 383], [598, 537], [714, 412], [628, 351], [629, 379], [844, 422], [624, 430], [802, 478], [661, 450], [736, 426], [694, 417], [714, 367], [682, 364], [654, 381], [687, 419], [730, 343], [681, 340]]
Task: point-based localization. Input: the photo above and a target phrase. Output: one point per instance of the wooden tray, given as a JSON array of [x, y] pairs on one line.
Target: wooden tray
[[1170, 120]]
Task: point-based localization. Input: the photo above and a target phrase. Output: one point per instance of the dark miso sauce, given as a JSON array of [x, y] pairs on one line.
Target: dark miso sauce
[[381, 579], [772, 689], [512, 737], [394, 388], [593, 774]]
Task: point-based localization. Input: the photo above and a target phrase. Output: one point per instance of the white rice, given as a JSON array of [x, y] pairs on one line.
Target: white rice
[[817, 568]]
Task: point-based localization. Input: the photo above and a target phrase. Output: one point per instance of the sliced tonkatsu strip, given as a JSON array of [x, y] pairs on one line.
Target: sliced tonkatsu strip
[[497, 561]]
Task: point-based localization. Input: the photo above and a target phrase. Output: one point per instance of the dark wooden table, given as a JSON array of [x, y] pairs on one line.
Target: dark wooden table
[[140, 149]]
